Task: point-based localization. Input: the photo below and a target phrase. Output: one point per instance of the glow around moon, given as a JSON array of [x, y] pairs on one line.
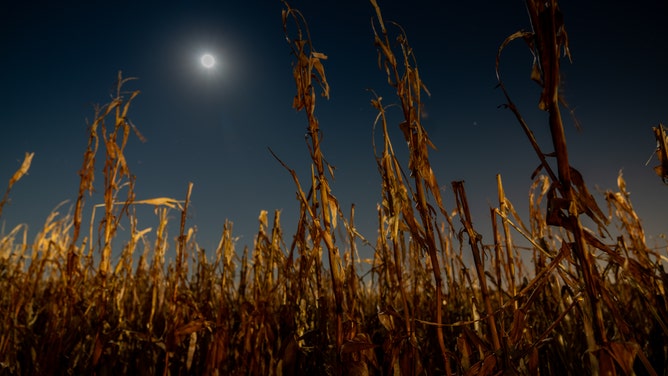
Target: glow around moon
[[208, 61]]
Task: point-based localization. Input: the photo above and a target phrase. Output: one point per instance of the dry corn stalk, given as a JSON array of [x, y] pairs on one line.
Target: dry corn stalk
[[307, 69]]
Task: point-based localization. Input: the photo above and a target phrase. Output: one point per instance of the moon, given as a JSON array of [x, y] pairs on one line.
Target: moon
[[208, 61]]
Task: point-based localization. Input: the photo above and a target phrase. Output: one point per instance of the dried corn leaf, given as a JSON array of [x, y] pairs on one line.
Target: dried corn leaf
[[360, 342], [465, 350], [483, 367], [287, 355], [586, 200], [333, 209], [191, 350], [386, 318], [161, 201], [622, 353], [17, 175], [519, 324], [662, 152], [322, 79], [25, 166], [378, 14]]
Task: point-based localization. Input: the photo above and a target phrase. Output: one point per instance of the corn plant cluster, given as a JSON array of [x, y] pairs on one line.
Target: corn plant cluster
[[589, 302]]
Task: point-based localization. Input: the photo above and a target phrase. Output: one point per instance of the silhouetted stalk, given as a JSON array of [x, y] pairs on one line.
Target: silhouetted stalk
[[474, 240], [408, 87], [550, 36], [395, 203], [307, 69], [497, 259], [115, 168], [181, 256], [546, 40], [510, 250]]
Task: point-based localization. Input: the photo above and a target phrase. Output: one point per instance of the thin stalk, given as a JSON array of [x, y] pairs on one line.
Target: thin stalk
[[474, 239], [510, 250]]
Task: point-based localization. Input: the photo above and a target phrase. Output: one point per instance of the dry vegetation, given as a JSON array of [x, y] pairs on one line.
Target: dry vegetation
[[590, 302]]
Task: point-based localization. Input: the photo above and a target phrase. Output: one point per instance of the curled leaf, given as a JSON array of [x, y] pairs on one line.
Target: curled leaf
[[25, 166], [22, 170]]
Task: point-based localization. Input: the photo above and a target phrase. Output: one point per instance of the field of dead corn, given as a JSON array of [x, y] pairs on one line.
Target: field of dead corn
[[589, 302]]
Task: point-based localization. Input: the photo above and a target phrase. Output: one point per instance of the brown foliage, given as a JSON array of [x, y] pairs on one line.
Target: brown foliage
[[279, 309]]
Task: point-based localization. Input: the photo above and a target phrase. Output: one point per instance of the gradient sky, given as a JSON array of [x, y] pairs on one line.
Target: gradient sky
[[214, 128]]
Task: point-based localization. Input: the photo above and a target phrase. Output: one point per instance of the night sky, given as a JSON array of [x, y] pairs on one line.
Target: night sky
[[214, 127]]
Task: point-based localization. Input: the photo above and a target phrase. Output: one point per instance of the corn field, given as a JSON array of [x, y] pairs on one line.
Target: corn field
[[547, 296]]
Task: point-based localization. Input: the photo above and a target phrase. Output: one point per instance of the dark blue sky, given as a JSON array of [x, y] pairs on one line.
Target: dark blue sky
[[214, 128]]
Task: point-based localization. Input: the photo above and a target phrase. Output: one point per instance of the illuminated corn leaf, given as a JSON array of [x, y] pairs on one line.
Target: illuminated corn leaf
[[25, 166]]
